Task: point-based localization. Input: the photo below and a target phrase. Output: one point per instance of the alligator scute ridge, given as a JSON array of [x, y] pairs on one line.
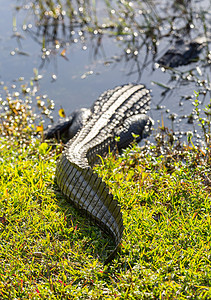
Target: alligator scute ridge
[[74, 175]]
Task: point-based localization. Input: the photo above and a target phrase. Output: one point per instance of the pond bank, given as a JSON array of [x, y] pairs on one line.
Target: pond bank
[[49, 249]]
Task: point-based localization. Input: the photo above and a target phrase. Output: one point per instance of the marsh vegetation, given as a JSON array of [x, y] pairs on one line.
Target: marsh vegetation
[[48, 250]]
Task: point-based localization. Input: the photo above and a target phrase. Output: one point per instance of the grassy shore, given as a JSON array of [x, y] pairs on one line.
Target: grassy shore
[[49, 251]]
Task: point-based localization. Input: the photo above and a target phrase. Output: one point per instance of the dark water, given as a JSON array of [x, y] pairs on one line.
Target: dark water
[[96, 63]]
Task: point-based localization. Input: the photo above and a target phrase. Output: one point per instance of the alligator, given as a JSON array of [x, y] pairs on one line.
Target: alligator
[[118, 112], [182, 52]]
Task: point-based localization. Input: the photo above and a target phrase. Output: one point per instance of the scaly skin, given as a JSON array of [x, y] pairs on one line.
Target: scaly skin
[[74, 174]]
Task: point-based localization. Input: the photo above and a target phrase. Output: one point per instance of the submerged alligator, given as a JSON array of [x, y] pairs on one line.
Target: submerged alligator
[[117, 112], [182, 52]]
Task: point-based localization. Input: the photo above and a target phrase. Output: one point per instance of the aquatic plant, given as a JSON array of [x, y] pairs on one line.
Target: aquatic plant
[[204, 121], [135, 24], [23, 111]]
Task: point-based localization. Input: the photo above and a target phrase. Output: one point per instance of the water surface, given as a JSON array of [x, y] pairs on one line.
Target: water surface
[[95, 62]]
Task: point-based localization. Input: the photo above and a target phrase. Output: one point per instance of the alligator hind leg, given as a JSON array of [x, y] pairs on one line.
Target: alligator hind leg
[[138, 125], [65, 130], [58, 130]]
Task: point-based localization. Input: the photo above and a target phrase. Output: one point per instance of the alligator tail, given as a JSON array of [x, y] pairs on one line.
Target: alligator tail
[[89, 193]]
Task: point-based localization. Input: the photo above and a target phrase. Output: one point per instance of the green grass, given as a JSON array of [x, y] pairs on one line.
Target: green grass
[[46, 246], [49, 251]]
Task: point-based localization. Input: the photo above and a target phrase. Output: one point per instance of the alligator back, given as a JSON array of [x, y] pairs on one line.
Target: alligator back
[[74, 174]]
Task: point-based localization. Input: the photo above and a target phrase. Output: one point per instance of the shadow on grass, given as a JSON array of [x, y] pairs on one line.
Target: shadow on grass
[[86, 238]]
